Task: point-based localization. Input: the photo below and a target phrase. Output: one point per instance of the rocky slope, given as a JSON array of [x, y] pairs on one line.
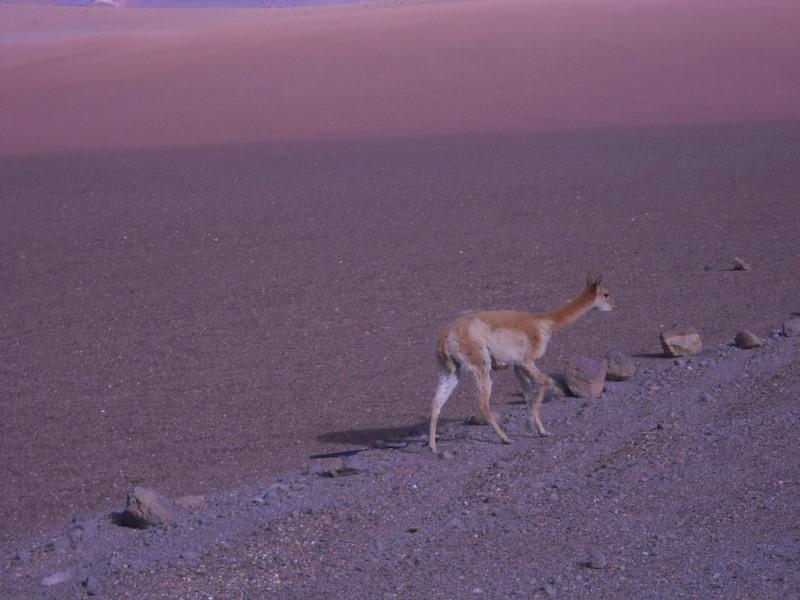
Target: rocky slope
[[680, 483]]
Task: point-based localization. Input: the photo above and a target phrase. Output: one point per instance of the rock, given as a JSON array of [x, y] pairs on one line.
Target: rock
[[706, 397], [478, 419], [791, 328], [90, 585], [741, 265], [75, 535], [597, 560], [585, 376], [747, 339], [681, 341], [708, 268], [346, 465], [56, 578], [447, 455], [146, 508], [189, 555], [23, 555], [620, 366], [61, 545], [191, 502]]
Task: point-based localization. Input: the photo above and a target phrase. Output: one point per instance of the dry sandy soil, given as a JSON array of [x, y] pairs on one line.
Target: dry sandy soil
[[203, 318]]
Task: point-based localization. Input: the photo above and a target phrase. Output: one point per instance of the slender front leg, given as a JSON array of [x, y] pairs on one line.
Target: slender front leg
[[484, 383], [532, 372]]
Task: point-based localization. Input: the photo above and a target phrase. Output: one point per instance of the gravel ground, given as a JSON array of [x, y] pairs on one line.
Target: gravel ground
[[201, 320], [681, 483]]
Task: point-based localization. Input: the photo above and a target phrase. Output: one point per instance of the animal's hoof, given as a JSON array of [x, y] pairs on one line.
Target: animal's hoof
[[507, 441], [544, 433]]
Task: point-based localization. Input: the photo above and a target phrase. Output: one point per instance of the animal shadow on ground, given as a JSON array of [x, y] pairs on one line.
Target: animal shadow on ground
[[650, 355], [369, 437]]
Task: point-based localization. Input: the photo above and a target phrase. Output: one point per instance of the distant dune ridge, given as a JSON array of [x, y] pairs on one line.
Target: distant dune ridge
[[153, 78], [179, 3]]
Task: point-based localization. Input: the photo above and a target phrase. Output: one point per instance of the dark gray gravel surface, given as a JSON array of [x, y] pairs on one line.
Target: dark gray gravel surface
[[644, 492], [201, 320]]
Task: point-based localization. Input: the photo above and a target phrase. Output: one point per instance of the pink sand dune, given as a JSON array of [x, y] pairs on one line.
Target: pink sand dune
[[132, 78]]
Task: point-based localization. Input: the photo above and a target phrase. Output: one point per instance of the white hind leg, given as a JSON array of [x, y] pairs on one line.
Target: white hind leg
[[447, 383]]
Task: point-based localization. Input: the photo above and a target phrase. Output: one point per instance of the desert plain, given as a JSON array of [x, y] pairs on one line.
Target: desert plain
[[230, 237]]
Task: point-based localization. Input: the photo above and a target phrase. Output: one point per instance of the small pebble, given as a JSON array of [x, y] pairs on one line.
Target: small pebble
[[791, 328], [740, 265], [90, 584], [75, 535], [598, 560], [23, 555], [56, 578]]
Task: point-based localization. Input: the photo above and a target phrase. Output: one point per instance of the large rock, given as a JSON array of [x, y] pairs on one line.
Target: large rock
[[791, 328], [585, 376], [747, 339], [681, 341], [620, 366], [146, 508]]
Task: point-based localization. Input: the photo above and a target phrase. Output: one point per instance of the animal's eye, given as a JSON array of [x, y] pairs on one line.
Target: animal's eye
[[606, 294]]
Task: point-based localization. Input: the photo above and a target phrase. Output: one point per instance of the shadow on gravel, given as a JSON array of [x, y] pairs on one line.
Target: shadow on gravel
[[650, 355], [368, 437]]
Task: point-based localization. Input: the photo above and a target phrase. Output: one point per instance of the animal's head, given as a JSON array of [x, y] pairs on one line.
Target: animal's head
[[602, 297]]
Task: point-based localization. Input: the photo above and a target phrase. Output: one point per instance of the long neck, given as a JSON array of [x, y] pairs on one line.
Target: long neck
[[571, 311]]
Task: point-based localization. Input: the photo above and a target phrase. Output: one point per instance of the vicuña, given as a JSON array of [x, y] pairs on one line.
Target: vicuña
[[485, 341]]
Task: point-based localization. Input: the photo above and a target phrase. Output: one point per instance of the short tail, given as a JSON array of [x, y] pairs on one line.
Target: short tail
[[446, 360]]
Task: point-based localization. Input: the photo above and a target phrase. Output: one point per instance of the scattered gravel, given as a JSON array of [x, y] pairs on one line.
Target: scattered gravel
[[651, 480]]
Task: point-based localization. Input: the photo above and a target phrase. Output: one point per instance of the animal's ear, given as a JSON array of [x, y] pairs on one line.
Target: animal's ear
[[594, 282]]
